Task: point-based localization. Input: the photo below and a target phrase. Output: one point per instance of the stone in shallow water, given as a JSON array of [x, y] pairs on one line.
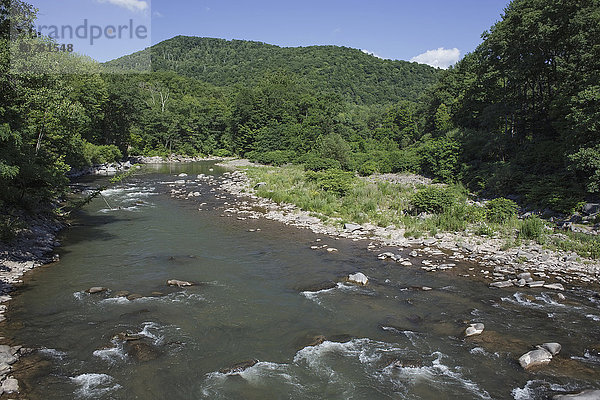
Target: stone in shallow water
[[96, 289], [358, 278], [177, 282], [474, 329], [535, 358], [141, 351], [239, 367]]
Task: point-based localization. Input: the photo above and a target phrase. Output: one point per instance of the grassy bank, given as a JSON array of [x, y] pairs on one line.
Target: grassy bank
[[337, 197]]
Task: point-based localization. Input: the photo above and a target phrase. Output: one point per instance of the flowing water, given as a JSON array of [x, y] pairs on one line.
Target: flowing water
[[265, 295]]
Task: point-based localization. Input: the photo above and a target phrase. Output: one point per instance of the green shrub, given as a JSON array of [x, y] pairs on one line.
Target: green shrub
[[433, 199], [368, 168], [275, 157], [406, 160], [500, 210], [313, 162], [94, 154], [532, 228], [222, 153], [333, 180], [440, 157]]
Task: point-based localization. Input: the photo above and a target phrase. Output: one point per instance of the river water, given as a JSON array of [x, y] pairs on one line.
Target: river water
[[265, 295]]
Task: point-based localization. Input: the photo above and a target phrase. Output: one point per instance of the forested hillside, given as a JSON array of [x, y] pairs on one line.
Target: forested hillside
[[518, 117], [358, 77]]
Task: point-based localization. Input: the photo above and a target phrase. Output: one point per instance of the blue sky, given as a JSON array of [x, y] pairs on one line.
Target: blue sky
[[401, 29]]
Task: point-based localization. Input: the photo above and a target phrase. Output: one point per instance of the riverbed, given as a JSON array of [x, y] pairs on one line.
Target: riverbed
[[263, 297]]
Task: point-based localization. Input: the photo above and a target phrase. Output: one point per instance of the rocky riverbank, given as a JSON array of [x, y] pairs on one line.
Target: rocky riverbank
[[499, 267], [32, 247]]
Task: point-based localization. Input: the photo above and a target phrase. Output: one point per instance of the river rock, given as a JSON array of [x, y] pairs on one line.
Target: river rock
[[589, 394], [134, 296], [7, 355], [317, 340], [239, 367], [474, 329], [142, 351], [524, 275], [4, 369], [535, 358], [555, 286], [122, 293], [552, 348], [129, 337], [10, 385], [501, 284], [176, 282], [358, 278], [386, 255], [96, 289], [352, 227], [536, 284], [182, 175]]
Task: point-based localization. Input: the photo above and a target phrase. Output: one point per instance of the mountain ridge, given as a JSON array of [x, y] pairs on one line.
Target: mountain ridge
[[357, 76]]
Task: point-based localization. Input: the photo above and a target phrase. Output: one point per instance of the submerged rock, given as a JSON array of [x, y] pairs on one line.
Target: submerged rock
[[358, 278], [142, 351], [535, 358], [239, 367], [176, 282], [317, 340], [474, 329], [129, 337], [589, 394]]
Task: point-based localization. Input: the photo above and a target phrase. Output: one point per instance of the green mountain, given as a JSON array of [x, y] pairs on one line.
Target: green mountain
[[357, 76]]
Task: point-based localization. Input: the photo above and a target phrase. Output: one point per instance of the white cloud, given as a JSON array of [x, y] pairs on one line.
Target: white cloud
[[369, 52], [157, 14], [131, 5], [439, 58]]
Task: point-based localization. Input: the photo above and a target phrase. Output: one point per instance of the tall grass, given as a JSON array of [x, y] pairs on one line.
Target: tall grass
[[387, 204]]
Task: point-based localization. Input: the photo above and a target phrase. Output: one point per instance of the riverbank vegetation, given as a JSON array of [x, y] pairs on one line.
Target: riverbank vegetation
[[517, 118], [422, 210]]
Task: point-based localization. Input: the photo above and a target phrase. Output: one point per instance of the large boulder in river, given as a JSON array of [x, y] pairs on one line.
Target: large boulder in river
[[177, 282], [535, 358], [358, 278], [585, 395]]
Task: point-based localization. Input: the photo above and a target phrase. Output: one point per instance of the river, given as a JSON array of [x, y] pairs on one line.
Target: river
[[264, 294]]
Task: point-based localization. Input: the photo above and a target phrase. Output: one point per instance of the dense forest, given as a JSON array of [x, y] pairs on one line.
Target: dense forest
[[517, 117]]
